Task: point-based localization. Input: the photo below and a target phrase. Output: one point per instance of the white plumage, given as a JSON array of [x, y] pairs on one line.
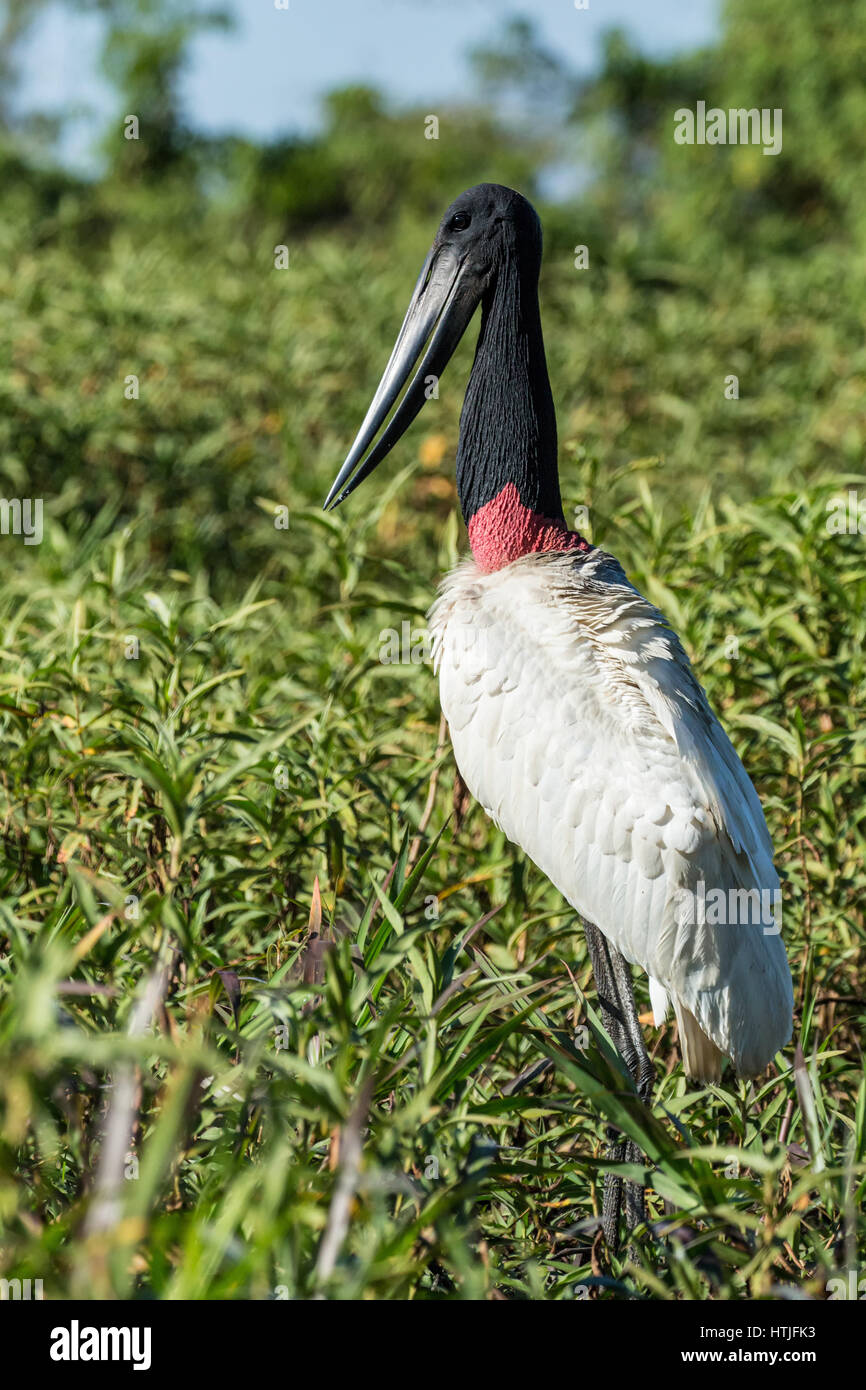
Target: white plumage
[[578, 725]]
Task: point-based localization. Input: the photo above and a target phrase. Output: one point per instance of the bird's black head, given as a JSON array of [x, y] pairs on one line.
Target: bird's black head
[[486, 229], [487, 226]]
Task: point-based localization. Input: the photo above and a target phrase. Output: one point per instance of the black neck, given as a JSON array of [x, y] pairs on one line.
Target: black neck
[[508, 423]]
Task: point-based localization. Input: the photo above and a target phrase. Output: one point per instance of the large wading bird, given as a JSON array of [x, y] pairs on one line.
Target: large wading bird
[[575, 717]]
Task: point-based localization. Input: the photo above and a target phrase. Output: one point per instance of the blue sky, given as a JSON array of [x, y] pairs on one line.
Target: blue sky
[[267, 75]]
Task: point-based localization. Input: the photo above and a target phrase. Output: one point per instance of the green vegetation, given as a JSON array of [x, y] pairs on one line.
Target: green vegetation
[[197, 726]]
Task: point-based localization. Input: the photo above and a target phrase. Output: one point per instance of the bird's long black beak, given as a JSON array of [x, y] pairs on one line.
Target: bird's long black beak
[[442, 304]]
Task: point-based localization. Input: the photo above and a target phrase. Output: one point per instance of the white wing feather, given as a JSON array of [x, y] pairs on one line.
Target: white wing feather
[[578, 724]]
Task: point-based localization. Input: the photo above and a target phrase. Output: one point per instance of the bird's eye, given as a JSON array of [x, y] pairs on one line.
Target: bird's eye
[[459, 222]]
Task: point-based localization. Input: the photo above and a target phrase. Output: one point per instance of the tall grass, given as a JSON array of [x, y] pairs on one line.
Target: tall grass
[[222, 1080]]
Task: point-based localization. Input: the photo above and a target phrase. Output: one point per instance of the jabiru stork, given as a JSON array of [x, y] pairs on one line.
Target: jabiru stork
[[575, 717]]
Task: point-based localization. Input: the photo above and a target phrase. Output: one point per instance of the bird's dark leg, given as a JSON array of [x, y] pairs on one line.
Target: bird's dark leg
[[619, 1014]]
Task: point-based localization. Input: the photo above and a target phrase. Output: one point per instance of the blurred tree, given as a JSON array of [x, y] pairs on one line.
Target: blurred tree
[[371, 163], [613, 130], [17, 17], [522, 73], [695, 200], [810, 61], [29, 174], [628, 104], [145, 52]]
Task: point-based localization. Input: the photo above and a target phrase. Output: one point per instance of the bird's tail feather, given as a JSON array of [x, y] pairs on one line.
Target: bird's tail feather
[[701, 1058]]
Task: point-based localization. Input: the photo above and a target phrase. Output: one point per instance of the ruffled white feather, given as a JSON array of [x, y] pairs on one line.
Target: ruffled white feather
[[578, 724]]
